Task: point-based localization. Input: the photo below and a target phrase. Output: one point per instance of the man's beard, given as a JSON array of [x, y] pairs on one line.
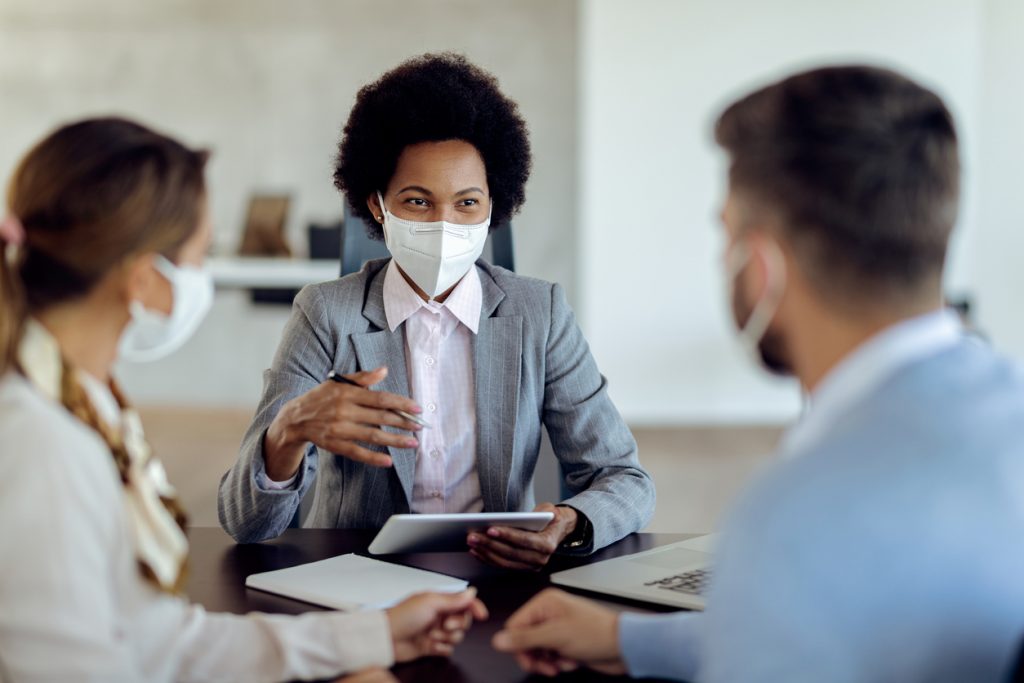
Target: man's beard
[[770, 347]]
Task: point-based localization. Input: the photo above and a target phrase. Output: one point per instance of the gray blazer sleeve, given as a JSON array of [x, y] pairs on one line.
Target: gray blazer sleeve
[[248, 511], [589, 437]]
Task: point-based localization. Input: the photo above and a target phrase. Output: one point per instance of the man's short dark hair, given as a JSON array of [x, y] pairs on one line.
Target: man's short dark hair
[[860, 166], [432, 98]]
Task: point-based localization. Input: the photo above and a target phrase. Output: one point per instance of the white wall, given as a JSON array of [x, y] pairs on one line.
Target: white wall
[[268, 85], [999, 248], [654, 74]]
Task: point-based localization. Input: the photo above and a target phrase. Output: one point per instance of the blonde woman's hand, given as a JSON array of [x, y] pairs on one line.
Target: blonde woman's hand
[[433, 623]]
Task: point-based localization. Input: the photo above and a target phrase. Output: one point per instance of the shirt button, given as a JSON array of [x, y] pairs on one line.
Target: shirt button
[[436, 494], [435, 453], [430, 361], [431, 407]]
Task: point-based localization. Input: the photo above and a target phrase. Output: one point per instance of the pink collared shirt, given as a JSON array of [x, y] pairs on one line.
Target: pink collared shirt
[[439, 357]]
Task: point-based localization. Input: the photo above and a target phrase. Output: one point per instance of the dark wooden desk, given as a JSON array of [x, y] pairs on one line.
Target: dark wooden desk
[[219, 568]]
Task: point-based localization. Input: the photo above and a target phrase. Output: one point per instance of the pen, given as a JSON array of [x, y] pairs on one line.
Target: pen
[[415, 419]]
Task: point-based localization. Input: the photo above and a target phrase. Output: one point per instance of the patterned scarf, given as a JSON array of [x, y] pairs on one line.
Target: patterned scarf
[[157, 520]]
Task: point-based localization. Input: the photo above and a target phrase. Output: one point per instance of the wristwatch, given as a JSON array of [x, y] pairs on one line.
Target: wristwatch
[[582, 535]]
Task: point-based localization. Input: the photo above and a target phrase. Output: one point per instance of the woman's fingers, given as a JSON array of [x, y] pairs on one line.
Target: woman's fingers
[[380, 418], [345, 440], [381, 400], [514, 557], [378, 437], [367, 378], [453, 637], [478, 611], [458, 622], [344, 419], [349, 449]]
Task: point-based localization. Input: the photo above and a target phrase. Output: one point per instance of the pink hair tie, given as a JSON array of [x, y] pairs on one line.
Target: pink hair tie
[[12, 231]]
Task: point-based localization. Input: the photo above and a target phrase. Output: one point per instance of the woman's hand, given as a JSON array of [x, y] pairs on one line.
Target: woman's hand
[[556, 632], [338, 418], [433, 623], [511, 548]]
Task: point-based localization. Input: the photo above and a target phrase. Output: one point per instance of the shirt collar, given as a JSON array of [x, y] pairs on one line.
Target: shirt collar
[[866, 368], [401, 301]]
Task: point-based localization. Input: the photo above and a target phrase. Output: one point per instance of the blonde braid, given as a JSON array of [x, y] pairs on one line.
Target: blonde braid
[[75, 400]]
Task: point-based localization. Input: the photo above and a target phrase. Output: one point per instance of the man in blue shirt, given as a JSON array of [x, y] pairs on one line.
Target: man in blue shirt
[[886, 542]]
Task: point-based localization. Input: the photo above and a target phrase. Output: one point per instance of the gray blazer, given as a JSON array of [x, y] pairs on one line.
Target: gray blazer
[[532, 369]]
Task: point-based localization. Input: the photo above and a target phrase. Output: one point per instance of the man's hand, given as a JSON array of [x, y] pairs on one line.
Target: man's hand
[[511, 548], [338, 418], [432, 623], [557, 632]]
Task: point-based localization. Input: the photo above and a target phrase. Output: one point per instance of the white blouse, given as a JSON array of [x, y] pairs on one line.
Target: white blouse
[[73, 605]]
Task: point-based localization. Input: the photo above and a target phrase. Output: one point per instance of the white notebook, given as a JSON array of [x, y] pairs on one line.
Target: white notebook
[[352, 583]]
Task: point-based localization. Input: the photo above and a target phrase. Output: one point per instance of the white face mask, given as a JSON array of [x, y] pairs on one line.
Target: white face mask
[[435, 255], [151, 335], [753, 330]]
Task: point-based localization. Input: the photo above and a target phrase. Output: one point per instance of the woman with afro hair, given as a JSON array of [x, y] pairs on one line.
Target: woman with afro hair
[[433, 157]]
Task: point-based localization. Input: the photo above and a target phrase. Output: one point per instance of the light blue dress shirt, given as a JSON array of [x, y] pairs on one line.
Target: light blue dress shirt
[[886, 544]]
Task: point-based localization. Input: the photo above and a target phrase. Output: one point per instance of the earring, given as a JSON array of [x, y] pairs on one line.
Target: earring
[[380, 219]]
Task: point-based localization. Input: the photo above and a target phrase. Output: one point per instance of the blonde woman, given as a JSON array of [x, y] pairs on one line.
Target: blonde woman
[[102, 259]]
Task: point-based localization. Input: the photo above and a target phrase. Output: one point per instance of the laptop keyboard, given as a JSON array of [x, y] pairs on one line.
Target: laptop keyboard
[[693, 582]]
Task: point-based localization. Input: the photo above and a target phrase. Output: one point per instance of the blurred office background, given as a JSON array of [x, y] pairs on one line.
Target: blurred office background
[[622, 204]]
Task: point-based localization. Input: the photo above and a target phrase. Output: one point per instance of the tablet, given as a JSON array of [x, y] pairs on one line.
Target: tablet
[[446, 533]]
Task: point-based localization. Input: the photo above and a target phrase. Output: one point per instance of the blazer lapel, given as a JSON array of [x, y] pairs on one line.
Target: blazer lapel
[[497, 365], [383, 347]]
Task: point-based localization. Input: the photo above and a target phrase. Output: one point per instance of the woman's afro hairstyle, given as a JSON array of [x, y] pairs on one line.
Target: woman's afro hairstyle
[[430, 98]]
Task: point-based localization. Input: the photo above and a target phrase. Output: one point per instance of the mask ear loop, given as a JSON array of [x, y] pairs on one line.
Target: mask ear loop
[[380, 200], [387, 219], [166, 268], [768, 305]]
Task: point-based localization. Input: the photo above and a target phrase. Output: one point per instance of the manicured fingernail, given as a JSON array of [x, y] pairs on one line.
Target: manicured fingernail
[[473, 539], [411, 443], [493, 532]]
